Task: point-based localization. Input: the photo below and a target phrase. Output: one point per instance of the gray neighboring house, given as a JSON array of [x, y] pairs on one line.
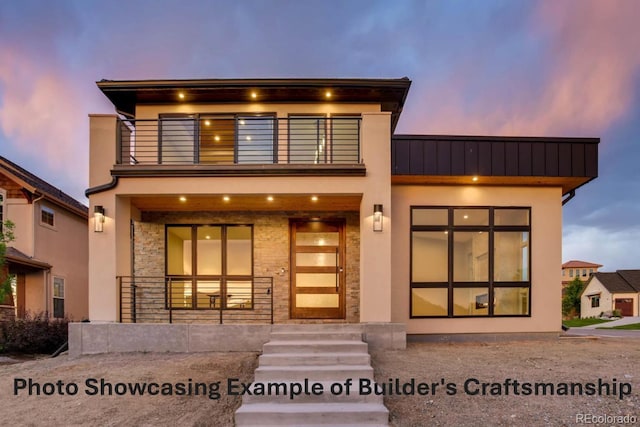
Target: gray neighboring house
[[611, 291]]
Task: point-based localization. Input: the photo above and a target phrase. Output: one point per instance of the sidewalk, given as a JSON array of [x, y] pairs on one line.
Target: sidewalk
[[624, 321]]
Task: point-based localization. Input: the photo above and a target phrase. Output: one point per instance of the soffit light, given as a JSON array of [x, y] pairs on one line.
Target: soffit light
[[181, 95], [474, 179], [269, 198], [314, 198], [254, 95], [327, 94], [226, 198], [183, 199]]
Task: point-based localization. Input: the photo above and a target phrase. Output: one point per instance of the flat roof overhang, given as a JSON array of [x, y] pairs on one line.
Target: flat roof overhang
[[248, 202], [487, 160], [126, 94]]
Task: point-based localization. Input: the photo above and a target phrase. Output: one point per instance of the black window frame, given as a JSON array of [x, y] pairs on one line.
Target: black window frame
[[197, 118], [194, 277], [491, 284]]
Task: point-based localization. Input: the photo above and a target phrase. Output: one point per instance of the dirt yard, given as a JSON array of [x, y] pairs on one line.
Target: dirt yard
[[448, 403]]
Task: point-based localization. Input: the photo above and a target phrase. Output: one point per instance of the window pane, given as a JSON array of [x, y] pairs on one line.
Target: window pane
[[239, 294], [180, 293], [317, 300], [470, 301], [511, 217], [312, 280], [429, 256], [255, 139], [316, 259], [344, 140], [178, 140], [208, 294], [422, 216], [317, 239], [307, 140], [217, 139], [511, 256], [470, 217], [429, 301], [470, 260], [209, 250], [239, 251], [58, 307], [58, 287], [511, 301], [179, 251]]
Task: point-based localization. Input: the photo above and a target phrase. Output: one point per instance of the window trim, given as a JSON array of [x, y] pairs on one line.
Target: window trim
[[490, 284], [194, 277], [46, 209], [54, 297]]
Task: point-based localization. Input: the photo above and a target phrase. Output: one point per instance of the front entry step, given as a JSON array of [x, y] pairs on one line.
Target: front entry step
[[312, 354]]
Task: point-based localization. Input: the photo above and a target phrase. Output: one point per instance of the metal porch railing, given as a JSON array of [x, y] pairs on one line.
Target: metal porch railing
[[160, 299]]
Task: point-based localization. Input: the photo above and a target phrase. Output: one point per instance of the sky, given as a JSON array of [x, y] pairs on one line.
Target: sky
[[485, 67]]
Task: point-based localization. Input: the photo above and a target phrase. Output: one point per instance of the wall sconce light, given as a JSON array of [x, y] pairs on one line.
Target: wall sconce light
[[98, 219], [377, 217]]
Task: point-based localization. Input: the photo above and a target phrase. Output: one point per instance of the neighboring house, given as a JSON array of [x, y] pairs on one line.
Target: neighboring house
[[291, 200], [580, 269], [49, 256], [606, 292]]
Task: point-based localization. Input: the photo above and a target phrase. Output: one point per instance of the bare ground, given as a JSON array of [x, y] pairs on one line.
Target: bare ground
[[577, 360]]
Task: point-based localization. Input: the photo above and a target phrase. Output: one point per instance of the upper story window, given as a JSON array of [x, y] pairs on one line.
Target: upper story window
[[470, 262], [47, 216], [570, 272], [2, 197]]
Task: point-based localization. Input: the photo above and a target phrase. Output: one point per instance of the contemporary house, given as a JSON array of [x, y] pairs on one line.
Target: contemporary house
[[259, 201], [49, 257], [606, 292], [580, 269]]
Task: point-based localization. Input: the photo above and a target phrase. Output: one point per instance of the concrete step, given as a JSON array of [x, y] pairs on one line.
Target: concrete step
[[313, 359], [316, 335], [315, 346], [313, 373], [312, 414], [282, 392], [319, 327]]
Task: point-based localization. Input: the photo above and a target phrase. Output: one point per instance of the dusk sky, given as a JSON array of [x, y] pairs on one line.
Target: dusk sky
[[535, 68]]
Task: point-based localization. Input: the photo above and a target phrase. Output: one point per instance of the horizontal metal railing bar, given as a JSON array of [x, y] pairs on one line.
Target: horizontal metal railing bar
[[152, 299], [265, 140]]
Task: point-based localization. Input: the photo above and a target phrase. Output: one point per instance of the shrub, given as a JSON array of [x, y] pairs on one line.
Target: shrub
[[33, 334], [616, 313]]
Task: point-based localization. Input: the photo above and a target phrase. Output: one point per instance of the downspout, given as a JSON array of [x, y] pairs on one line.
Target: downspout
[[571, 195], [102, 187]]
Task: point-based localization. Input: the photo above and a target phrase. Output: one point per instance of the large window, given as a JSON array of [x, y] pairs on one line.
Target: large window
[[58, 297], [470, 261], [318, 139], [209, 266], [217, 139]]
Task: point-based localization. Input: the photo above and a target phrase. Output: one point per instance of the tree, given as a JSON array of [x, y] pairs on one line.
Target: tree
[[6, 236], [571, 298]]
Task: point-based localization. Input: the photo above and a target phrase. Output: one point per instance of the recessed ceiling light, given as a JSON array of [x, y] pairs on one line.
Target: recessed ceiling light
[[241, 122], [474, 179], [466, 217], [217, 138], [183, 199], [328, 94], [181, 95], [248, 138], [314, 198], [207, 122], [269, 198], [207, 237], [254, 95], [226, 198]]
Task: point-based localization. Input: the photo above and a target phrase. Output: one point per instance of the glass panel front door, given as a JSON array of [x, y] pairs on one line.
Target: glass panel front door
[[317, 272]]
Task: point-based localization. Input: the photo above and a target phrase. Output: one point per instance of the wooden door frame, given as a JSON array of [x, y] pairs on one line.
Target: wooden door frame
[[341, 223]]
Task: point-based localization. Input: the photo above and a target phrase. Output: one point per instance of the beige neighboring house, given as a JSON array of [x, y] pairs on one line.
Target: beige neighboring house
[[580, 269], [49, 256], [293, 201], [606, 292]]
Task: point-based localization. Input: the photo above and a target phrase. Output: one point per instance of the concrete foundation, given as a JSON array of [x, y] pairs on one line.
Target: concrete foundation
[[96, 338]]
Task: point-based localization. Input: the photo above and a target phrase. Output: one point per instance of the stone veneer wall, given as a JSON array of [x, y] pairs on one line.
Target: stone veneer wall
[[270, 253]]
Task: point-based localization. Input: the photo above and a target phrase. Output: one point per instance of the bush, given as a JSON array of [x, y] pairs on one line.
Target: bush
[[34, 334]]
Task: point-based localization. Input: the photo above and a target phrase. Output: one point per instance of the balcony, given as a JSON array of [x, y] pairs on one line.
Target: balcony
[[239, 145]]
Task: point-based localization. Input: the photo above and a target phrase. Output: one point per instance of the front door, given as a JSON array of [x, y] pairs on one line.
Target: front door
[[317, 269]]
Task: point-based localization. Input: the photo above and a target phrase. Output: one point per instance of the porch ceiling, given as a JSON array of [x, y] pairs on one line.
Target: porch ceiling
[[253, 202]]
